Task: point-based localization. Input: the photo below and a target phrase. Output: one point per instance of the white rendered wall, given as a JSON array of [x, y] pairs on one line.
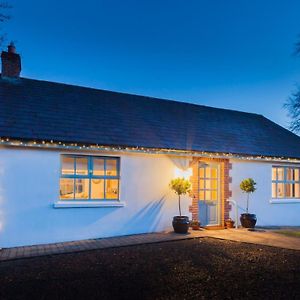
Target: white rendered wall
[[29, 186], [268, 214]]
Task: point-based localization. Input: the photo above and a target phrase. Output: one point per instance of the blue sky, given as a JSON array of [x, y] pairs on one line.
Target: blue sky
[[233, 54]]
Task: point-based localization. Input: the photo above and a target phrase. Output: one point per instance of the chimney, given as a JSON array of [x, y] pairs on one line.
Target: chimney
[[11, 62]]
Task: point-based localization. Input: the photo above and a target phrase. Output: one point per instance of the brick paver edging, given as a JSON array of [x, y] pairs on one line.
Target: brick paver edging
[[92, 244], [259, 237]]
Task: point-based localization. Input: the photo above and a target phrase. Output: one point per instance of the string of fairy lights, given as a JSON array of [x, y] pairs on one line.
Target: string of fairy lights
[[96, 147]]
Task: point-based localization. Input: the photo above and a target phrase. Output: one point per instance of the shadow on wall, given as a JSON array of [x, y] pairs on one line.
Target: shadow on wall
[[146, 219]]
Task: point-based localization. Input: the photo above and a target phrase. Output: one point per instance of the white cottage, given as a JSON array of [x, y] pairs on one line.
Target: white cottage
[[79, 163]]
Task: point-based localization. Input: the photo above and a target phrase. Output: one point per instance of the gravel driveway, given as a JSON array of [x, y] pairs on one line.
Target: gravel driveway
[[203, 268]]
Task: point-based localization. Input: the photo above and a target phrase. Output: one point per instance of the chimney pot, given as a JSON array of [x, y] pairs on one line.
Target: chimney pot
[[11, 48]]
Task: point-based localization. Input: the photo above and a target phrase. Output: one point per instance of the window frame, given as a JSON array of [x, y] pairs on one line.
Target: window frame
[[285, 181], [90, 176]]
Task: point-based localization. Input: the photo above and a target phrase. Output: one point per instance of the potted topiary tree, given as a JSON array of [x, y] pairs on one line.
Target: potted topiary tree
[[248, 187], [180, 186]]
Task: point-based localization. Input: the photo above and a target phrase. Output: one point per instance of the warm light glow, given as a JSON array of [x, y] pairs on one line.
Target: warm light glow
[[186, 174]]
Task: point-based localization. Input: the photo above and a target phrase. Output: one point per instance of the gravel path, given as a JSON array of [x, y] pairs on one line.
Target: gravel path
[[203, 268]]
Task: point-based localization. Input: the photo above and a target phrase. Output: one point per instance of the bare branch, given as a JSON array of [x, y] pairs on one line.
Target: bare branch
[[3, 17], [293, 107]]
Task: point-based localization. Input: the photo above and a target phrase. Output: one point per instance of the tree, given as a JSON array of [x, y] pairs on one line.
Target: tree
[[293, 103], [4, 16], [248, 187], [180, 186], [293, 107]]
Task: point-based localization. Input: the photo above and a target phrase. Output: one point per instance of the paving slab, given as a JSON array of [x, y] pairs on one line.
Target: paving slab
[[260, 237]]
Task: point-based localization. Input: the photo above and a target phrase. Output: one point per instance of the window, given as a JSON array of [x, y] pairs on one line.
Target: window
[[208, 182], [285, 182], [89, 178]]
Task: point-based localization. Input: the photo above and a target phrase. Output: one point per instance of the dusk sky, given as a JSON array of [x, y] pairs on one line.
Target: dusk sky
[[232, 54]]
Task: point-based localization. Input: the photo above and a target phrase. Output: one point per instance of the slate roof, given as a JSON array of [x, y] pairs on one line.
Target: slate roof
[[41, 110]]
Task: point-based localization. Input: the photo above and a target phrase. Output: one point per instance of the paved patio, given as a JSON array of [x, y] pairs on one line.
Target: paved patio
[[261, 237]]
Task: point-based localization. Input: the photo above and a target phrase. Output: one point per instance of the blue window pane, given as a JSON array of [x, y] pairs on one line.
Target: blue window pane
[[97, 188], [81, 188], [112, 189], [67, 165], [98, 166], [81, 166], [66, 188], [111, 167]]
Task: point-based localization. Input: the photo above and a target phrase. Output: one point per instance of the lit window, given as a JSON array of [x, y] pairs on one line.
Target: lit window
[[89, 178], [285, 182], [208, 182]]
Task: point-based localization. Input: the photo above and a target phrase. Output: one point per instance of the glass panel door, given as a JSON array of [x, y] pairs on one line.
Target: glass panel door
[[209, 194]]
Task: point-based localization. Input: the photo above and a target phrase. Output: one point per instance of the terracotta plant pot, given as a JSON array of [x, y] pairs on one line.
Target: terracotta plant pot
[[181, 224], [195, 227], [229, 223]]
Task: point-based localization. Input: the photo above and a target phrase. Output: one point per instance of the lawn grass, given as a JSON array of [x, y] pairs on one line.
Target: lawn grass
[[290, 232]]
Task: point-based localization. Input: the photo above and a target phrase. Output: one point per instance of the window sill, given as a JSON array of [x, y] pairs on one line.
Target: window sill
[[83, 204], [284, 201]]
